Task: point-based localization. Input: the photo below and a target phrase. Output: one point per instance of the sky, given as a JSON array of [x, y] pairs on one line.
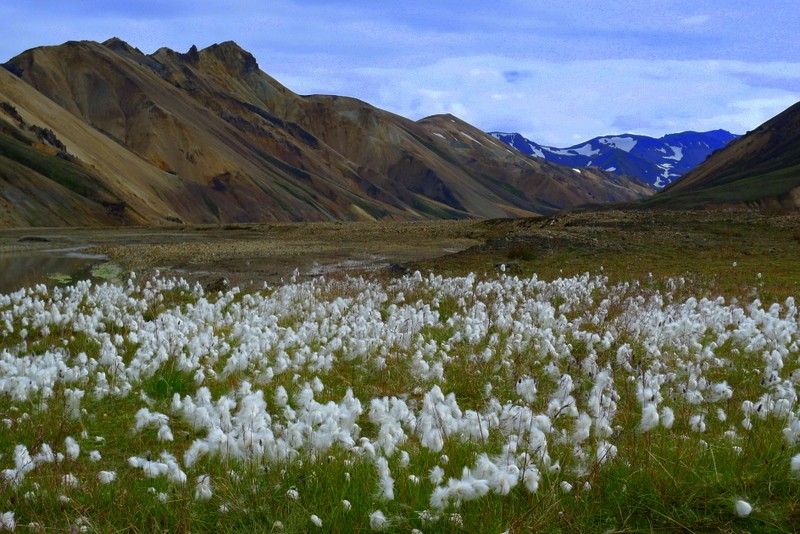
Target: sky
[[559, 72]]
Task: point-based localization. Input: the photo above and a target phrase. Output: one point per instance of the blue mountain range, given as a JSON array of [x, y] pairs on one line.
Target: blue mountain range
[[656, 161]]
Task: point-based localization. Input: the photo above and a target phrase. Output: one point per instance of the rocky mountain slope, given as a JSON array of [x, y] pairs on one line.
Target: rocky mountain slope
[[761, 168], [655, 161], [206, 137]]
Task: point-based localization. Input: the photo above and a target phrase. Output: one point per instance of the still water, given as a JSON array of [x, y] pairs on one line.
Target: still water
[[27, 268]]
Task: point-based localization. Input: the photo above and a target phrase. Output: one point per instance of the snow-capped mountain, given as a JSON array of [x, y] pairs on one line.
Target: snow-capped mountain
[[656, 161]]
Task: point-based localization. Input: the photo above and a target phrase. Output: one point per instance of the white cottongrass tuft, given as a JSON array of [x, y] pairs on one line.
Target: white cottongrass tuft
[[566, 487], [106, 477], [436, 475], [7, 521], [377, 520], [531, 478], [795, 463], [70, 481], [202, 488], [72, 448], [743, 508], [164, 433], [95, 456], [292, 493], [649, 418], [316, 520], [667, 417], [526, 388], [698, 423], [346, 504], [405, 459], [385, 480], [605, 452]]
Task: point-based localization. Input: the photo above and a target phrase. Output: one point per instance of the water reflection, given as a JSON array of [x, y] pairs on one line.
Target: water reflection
[[18, 270]]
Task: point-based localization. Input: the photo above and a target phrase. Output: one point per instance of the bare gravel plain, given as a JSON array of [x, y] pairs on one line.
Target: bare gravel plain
[[249, 254], [731, 246]]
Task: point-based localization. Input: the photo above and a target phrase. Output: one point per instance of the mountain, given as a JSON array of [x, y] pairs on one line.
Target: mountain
[[101, 133], [656, 161], [761, 168]]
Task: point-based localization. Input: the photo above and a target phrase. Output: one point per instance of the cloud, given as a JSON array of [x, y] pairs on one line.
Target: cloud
[[556, 102], [548, 70]]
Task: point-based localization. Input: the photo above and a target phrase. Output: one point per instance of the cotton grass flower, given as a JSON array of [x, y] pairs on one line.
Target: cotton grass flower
[[436, 475], [743, 508], [202, 488], [531, 478], [697, 423], [667, 417], [7, 521], [106, 477], [70, 481], [526, 389], [385, 480], [316, 520], [299, 333], [378, 521], [650, 418], [795, 463], [72, 448]]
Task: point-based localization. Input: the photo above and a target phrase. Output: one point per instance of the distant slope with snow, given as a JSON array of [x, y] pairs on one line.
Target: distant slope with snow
[[655, 161]]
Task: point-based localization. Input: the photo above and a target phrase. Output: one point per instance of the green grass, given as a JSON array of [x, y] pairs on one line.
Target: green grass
[[59, 170], [671, 480], [733, 188]]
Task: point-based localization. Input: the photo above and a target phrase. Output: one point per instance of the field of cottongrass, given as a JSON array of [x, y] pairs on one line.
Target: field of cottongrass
[[413, 404]]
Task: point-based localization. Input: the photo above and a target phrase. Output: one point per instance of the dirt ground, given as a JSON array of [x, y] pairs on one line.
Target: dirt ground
[[625, 243], [250, 254]]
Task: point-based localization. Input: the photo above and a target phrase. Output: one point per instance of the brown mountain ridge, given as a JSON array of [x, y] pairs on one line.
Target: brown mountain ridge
[[101, 133]]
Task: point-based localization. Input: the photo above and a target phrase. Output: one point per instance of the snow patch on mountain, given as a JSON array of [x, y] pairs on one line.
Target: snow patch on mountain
[[677, 153], [465, 134], [536, 151], [655, 161], [626, 144], [583, 150]]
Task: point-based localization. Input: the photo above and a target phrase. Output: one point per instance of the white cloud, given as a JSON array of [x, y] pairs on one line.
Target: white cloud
[[548, 71], [558, 102]]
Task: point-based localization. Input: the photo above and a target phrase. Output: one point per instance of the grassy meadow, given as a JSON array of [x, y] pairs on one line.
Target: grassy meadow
[[606, 380]]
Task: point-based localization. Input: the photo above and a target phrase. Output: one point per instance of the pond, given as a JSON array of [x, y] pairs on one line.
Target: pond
[[25, 268]]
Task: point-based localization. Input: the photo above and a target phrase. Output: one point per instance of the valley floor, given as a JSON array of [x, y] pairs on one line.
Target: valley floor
[[733, 246], [641, 374]]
